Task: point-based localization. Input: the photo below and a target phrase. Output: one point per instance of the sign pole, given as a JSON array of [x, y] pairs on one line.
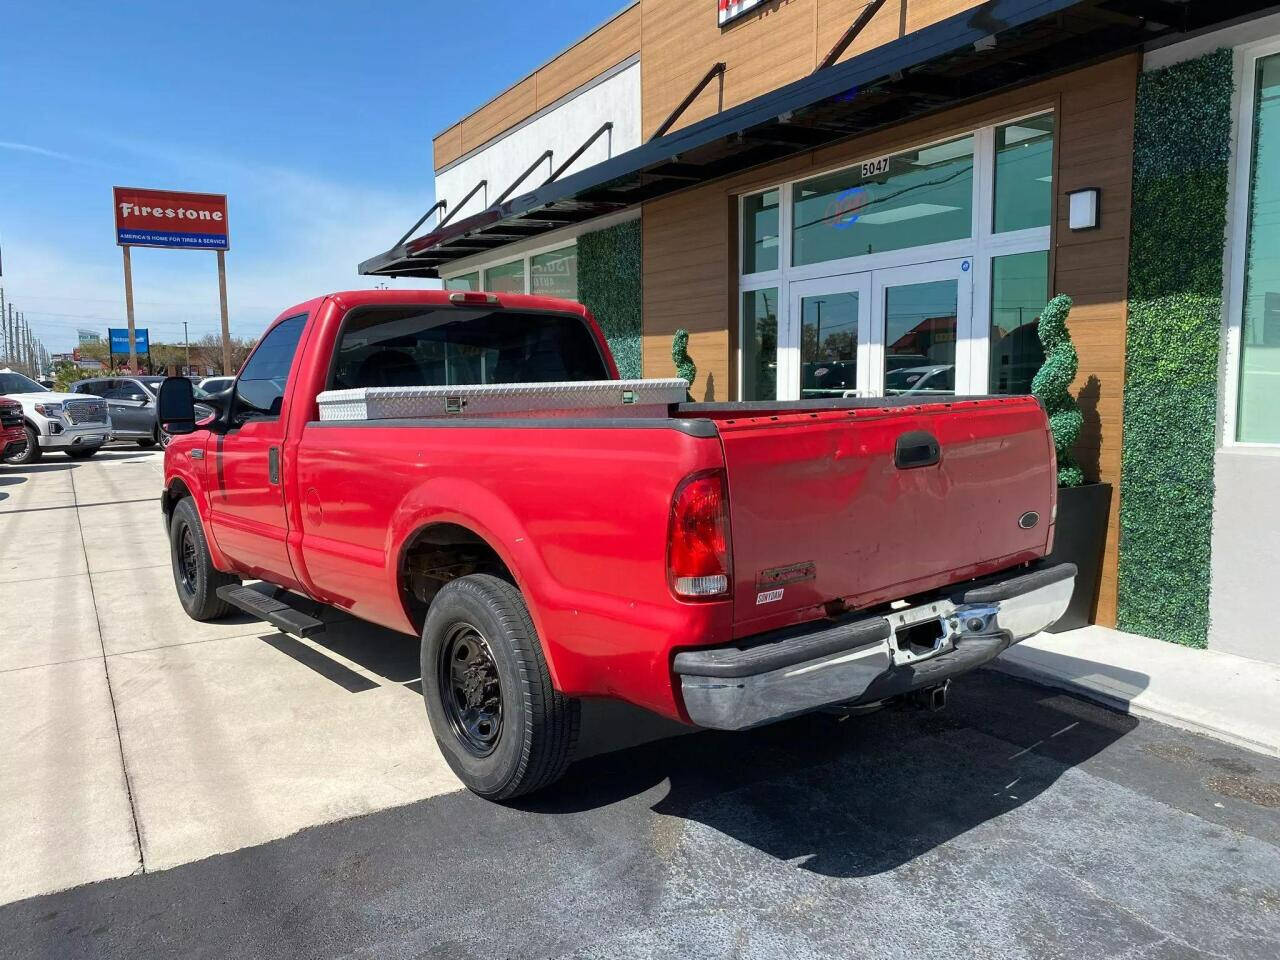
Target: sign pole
[[226, 327], [128, 307]]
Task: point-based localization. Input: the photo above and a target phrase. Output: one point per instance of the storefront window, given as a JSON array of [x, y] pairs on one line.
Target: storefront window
[[760, 232], [1024, 174], [760, 345], [1259, 410], [468, 281], [911, 199], [555, 274], [1019, 291], [507, 278]]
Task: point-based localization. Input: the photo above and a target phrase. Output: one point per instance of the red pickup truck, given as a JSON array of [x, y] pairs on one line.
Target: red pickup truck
[[467, 468], [13, 438]]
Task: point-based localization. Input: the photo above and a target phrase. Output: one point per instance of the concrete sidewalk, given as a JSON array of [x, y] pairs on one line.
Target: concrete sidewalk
[[136, 739], [1224, 696]]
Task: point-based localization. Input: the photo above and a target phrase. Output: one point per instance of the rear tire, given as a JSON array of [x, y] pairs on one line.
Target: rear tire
[[31, 454], [81, 453], [501, 724], [194, 575]]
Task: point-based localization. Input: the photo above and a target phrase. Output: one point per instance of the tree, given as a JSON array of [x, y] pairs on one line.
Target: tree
[[206, 353]]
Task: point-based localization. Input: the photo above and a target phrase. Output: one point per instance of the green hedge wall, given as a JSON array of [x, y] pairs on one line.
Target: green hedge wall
[[1181, 153], [609, 284]]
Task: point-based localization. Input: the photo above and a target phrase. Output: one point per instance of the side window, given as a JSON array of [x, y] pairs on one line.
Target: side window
[[260, 388], [93, 388]]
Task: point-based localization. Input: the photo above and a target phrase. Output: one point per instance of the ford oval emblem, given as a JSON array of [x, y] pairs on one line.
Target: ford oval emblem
[[1028, 520]]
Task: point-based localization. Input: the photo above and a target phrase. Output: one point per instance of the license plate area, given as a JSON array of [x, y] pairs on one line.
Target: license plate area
[[921, 632]]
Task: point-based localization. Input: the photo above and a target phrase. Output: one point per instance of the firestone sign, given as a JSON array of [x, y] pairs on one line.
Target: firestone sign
[[730, 10], [165, 218]]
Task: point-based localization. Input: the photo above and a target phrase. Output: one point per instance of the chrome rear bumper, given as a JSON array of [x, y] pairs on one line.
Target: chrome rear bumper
[[869, 658]]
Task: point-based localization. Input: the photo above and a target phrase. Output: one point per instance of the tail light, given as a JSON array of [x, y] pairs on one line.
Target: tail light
[[474, 297], [698, 565]]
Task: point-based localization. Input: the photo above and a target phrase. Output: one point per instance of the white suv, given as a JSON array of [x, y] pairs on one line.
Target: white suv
[[75, 424]]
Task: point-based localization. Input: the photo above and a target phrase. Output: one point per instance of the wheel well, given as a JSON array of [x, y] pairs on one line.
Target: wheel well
[[437, 554], [172, 495]]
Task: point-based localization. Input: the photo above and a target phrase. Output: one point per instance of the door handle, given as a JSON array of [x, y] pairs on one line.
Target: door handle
[[273, 464], [916, 448]]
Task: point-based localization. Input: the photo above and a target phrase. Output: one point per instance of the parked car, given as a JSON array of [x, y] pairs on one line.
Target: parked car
[[908, 381], [13, 436], [75, 424], [210, 385], [132, 405], [465, 467]]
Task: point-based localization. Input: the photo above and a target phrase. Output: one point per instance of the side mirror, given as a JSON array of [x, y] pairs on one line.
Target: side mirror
[[176, 406]]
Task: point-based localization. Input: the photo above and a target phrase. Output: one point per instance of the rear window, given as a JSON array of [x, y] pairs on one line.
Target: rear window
[[412, 347]]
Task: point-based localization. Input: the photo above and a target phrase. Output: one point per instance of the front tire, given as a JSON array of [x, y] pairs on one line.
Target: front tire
[[502, 726], [29, 454], [196, 578]]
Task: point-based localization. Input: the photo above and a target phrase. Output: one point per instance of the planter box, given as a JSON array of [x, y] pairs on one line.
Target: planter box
[[1079, 537]]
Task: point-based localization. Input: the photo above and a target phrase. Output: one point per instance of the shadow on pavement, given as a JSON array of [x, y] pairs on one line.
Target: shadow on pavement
[[858, 797]]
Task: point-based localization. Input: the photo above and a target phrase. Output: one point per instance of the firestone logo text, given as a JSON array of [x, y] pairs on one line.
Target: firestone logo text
[[171, 213]]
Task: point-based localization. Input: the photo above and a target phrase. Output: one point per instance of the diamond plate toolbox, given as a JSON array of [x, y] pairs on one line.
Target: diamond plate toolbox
[[603, 398]]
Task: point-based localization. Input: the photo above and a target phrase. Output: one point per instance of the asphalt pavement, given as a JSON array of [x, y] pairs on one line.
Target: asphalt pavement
[[1020, 822]]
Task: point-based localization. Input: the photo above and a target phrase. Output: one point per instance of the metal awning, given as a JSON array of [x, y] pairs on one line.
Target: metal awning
[[999, 45]]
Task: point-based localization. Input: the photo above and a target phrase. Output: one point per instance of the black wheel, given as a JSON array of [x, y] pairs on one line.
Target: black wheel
[[501, 724], [81, 453], [194, 574], [28, 454]]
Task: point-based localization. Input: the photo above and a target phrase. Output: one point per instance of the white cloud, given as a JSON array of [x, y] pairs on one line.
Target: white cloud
[[39, 151]]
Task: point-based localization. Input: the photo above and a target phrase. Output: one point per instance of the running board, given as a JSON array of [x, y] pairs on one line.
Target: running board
[[280, 615]]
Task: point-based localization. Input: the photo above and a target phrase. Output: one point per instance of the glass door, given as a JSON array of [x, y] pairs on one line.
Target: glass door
[[922, 331], [823, 347]]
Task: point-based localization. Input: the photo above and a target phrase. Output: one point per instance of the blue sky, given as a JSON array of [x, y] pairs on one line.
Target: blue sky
[[315, 119]]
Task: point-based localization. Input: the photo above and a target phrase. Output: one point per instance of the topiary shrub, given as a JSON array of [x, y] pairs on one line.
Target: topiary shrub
[[686, 369], [1052, 386]]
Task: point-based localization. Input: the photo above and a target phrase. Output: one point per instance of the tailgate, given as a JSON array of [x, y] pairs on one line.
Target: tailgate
[[874, 504]]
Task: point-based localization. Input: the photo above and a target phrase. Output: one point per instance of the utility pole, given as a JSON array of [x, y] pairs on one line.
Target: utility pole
[[13, 356], [128, 307], [222, 299], [187, 341], [4, 333]]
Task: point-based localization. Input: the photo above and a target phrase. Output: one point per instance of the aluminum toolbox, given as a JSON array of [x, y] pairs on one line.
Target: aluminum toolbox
[[601, 398]]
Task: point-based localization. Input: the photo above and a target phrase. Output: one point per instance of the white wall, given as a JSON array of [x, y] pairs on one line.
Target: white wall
[[562, 128]]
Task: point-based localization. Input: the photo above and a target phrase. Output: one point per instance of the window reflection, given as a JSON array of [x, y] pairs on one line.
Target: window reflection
[[760, 345], [828, 345], [1259, 411], [1019, 292], [1024, 174], [920, 338], [918, 197]]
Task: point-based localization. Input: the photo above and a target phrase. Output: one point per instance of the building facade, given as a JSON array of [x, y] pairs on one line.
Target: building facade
[[838, 199]]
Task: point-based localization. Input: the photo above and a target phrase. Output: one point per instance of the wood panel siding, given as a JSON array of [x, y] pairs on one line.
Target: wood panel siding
[[447, 146], [690, 252], [602, 50], [607, 47], [835, 16], [501, 113], [780, 42], [1093, 267]]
